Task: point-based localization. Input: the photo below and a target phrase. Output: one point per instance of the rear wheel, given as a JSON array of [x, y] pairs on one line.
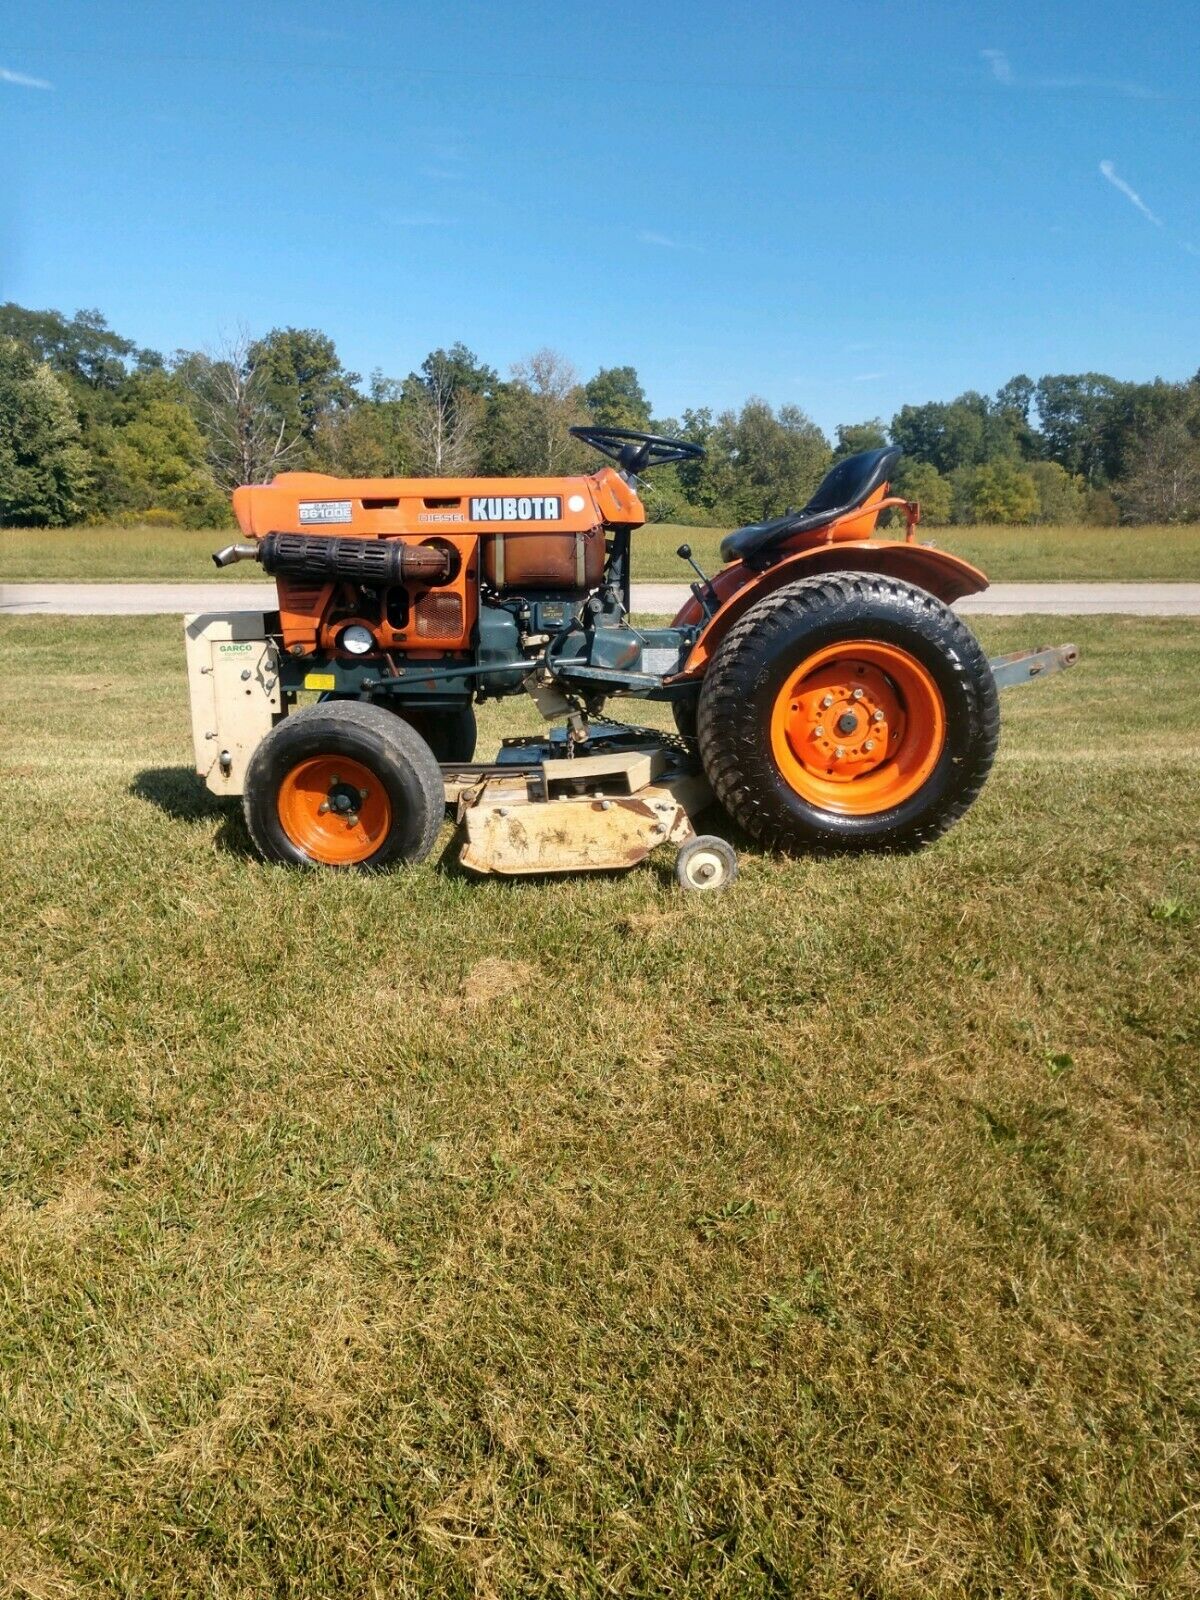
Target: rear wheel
[[343, 784], [848, 710]]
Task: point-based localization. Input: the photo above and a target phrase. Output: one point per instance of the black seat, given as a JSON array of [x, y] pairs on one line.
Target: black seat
[[842, 489]]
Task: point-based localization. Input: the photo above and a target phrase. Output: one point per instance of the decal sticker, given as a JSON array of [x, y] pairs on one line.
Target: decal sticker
[[320, 680], [441, 516], [515, 508], [576, 503], [313, 511]]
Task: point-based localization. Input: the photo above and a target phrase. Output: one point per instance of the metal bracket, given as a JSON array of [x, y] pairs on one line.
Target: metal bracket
[[1023, 666]]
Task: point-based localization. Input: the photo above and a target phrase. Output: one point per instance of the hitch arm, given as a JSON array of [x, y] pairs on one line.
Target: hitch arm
[[1023, 666]]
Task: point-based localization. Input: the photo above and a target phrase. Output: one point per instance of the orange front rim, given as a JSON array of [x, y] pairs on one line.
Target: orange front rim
[[335, 810], [858, 727]]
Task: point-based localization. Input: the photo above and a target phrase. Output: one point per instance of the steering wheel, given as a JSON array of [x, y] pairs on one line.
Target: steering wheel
[[635, 452]]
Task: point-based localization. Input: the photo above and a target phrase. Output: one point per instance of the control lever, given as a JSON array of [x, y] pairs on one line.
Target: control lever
[[703, 590]]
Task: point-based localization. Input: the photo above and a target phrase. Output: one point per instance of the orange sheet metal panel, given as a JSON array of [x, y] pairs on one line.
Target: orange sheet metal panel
[[379, 508]]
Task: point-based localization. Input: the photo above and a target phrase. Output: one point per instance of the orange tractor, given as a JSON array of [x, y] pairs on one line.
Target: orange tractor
[[824, 692]]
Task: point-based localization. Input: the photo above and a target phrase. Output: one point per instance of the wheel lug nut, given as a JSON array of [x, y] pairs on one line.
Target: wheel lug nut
[[877, 716], [857, 695], [870, 745], [362, 794], [840, 752], [323, 808], [827, 702], [352, 819], [818, 732]]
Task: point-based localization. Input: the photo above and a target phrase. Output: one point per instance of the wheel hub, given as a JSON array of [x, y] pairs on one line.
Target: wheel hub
[[335, 809], [843, 720]]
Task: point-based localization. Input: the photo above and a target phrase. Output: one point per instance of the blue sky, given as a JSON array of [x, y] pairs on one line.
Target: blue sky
[[841, 206]]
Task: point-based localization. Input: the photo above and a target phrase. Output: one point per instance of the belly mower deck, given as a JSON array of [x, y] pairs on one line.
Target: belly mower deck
[[545, 806]]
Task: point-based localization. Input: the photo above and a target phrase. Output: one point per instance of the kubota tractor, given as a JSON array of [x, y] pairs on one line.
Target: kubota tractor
[[825, 693]]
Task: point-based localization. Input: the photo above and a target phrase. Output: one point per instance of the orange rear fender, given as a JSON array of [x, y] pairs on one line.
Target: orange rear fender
[[737, 587]]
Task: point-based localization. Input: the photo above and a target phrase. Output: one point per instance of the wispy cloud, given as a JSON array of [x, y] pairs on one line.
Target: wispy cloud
[[664, 241], [999, 63], [1002, 71], [1110, 175], [22, 80], [867, 377]]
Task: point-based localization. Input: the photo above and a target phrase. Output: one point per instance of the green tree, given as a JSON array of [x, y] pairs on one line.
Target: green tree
[[374, 439], [43, 468], [1061, 498], [302, 380], [854, 437], [508, 432], [763, 461], [82, 348], [459, 371], [921, 481], [615, 399], [948, 435], [1163, 483], [1081, 423], [150, 454], [1011, 411], [999, 491]]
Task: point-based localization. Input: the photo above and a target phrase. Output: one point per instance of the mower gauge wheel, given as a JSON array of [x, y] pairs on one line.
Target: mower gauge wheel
[[705, 863]]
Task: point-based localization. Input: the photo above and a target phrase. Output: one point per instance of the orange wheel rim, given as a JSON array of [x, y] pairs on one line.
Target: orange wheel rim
[[335, 810], [858, 727]]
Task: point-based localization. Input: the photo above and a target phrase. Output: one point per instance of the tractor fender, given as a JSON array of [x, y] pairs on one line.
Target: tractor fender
[[737, 587]]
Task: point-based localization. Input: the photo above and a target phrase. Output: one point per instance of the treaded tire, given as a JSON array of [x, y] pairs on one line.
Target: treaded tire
[[792, 623], [376, 739], [451, 735]]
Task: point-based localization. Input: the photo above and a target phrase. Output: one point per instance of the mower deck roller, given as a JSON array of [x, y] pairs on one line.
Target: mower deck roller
[[826, 694]]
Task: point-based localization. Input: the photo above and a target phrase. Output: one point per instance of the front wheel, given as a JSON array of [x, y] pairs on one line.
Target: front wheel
[[343, 784], [849, 710]]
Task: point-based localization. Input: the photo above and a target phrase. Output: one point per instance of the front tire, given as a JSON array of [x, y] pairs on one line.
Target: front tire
[[848, 711], [343, 784]]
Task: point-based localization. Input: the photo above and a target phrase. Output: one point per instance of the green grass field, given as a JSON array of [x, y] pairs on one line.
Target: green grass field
[[426, 1236], [149, 554]]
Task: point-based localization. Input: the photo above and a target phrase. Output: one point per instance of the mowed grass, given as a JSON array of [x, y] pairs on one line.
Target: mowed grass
[[1006, 554], [423, 1235]]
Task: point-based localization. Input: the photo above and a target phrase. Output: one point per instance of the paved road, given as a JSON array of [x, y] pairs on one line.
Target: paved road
[[1002, 599]]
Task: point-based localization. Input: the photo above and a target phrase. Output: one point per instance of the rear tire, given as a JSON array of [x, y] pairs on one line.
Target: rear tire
[[343, 784], [848, 711]]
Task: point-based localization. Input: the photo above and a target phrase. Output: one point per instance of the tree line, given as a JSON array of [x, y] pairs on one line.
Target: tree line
[[95, 428]]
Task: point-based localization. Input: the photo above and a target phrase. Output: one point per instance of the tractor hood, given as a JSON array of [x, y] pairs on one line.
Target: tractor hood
[[378, 507]]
